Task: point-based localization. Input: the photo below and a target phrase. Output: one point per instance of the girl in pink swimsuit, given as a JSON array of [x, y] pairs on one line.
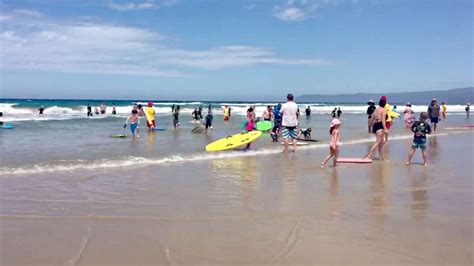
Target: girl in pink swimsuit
[[334, 143]]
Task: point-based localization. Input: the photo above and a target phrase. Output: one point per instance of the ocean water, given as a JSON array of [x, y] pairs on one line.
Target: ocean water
[[65, 139]]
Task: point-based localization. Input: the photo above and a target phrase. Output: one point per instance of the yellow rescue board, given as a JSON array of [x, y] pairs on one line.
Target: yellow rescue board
[[234, 141], [150, 115], [391, 114]]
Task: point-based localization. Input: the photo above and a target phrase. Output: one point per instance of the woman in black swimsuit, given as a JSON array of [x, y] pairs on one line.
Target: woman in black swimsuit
[[379, 128]]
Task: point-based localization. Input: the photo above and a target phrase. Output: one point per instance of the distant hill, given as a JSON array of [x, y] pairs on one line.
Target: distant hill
[[454, 96]]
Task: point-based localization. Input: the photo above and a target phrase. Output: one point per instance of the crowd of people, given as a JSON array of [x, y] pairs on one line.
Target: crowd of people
[[285, 119], [102, 110]]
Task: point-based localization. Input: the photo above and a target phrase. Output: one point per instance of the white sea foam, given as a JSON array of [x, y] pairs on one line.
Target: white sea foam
[[141, 161], [13, 113]]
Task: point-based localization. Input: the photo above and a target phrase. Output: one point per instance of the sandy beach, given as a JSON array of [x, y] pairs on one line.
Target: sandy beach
[[254, 209]]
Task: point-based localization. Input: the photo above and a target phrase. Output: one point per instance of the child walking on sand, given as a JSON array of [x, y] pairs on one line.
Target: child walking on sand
[[334, 144], [420, 128]]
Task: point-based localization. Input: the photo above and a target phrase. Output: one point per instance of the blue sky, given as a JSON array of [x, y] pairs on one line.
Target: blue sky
[[202, 49]]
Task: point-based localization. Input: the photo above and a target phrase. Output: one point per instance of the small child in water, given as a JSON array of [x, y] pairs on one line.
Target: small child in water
[[420, 128], [334, 143], [134, 122], [249, 126], [275, 132]]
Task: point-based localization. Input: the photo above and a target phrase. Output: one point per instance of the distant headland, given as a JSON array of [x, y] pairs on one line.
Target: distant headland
[[454, 96]]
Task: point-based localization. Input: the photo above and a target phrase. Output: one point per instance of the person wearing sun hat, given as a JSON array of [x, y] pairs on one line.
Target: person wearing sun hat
[[370, 111], [334, 143], [409, 116]]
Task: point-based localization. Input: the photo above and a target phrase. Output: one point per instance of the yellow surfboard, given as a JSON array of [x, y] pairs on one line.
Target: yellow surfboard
[[234, 141], [391, 114]]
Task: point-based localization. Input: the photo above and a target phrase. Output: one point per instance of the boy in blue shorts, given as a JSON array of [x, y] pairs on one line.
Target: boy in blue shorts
[[420, 128], [134, 122]]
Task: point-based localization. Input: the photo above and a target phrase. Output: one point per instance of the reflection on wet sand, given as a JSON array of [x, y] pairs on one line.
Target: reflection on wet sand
[[232, 184], [419, 193], [379, 190], [334, 202], [433, 150], [150, 141]]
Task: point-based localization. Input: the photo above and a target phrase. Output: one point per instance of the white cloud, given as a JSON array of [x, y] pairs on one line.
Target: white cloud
[[28, 13], [250, 7], [93, 47], [294, 10], [140, 5]]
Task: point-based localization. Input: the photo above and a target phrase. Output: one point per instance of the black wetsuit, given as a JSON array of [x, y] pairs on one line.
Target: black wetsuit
[[209, 118], [89, 110], [41, 110]]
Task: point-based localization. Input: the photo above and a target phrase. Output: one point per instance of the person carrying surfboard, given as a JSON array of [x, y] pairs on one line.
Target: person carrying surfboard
[[334, 143], [150, 116], [289, 122], [249, 126]]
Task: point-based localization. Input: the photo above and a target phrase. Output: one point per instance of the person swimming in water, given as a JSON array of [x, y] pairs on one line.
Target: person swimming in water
[[41, 110]]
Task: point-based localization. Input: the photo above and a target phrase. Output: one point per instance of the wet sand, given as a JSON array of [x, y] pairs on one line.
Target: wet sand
[[252, 210]]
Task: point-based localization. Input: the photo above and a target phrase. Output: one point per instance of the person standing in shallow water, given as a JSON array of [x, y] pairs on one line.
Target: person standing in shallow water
[[433, 113], [41, 110], [409, 116], [379, 128], [468, 110], [370, 111], [289, 122], [339, 112], [420, 129], [89, 110], [334, 113], [308, 112]]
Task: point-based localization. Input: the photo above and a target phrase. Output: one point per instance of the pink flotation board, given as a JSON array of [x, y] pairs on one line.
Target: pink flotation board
[[353, 160]]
